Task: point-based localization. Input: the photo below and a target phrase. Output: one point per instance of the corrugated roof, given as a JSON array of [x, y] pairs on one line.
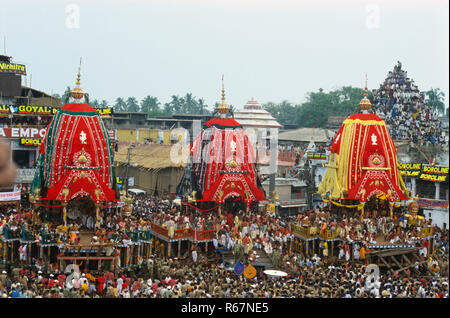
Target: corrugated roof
[[306, 135], [152, 156]]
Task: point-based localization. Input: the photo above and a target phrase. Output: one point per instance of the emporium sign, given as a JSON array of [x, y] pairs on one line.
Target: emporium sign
[[13, 68], [424, 172], [22, 132], [43, 110]]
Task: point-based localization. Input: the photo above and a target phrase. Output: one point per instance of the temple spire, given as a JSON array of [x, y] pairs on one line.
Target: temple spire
[[77, 93], [223, 108], [365, 103]]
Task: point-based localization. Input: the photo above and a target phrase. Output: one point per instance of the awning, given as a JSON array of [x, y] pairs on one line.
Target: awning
[[292, 205]]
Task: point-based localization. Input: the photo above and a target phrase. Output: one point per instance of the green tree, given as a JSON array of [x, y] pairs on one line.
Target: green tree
[[190, 104], [175, 106], [132, 104], [95, 103], [202, 106], [435, 98], [284, 112], [120, 105], [104, 104], [319, 106], [66, 96], [150, 105]]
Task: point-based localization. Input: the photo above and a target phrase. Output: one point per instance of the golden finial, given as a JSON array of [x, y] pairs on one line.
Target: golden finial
[[77, 92], [223, 108], [365, 103], [223, 89]]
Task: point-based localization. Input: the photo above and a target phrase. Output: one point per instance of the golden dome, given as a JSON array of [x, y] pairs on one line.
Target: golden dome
[[77, 92], [365, 103], [223, 107]]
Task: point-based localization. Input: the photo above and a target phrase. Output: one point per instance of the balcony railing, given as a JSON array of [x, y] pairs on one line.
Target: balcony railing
[[189, 233]]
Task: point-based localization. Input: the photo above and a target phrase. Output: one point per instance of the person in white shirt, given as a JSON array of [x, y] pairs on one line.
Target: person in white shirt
[[194, 255], [119, 285]]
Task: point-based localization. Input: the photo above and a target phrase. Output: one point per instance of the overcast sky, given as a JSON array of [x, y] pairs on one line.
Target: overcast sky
[[268, 49]]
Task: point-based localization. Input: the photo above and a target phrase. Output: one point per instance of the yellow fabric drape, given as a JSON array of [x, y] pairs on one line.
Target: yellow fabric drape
[[330, 181], [358, 206]]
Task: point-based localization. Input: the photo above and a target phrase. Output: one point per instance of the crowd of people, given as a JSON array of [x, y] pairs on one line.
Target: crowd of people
[[406, 112], [24, 121]]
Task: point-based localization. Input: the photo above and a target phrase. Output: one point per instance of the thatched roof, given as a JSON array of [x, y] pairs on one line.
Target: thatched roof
[[151, 156]]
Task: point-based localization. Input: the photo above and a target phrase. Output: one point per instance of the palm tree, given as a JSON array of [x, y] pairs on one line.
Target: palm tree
[[150, 105], [120, 105], [435, 98], [201, 106], [66, 96], [95, 103], [190, 104], [104, 104], [132, 104]]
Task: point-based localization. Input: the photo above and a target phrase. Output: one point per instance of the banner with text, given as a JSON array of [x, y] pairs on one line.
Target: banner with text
[[10, 196], [43, 110], [423, 171], [423, 203], [13, 68]]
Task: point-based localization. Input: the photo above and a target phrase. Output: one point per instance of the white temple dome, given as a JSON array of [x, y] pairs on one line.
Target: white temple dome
[[253, 115]]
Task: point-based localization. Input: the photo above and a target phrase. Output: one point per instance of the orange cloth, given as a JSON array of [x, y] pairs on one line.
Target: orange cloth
[[362, 253]]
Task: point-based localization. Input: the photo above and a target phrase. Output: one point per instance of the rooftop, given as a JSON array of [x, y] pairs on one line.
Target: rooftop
[[253, 115], [150, 156], [306, 135]]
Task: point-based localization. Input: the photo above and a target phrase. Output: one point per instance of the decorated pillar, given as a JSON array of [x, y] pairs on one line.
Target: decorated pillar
[[413, 186], [391, 210], [313, 246], [169, 248], [29, 252], [5, 251], [97, 214], [362, 214], [64, 204], [179, 249], [438, 190], [150, 246]]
